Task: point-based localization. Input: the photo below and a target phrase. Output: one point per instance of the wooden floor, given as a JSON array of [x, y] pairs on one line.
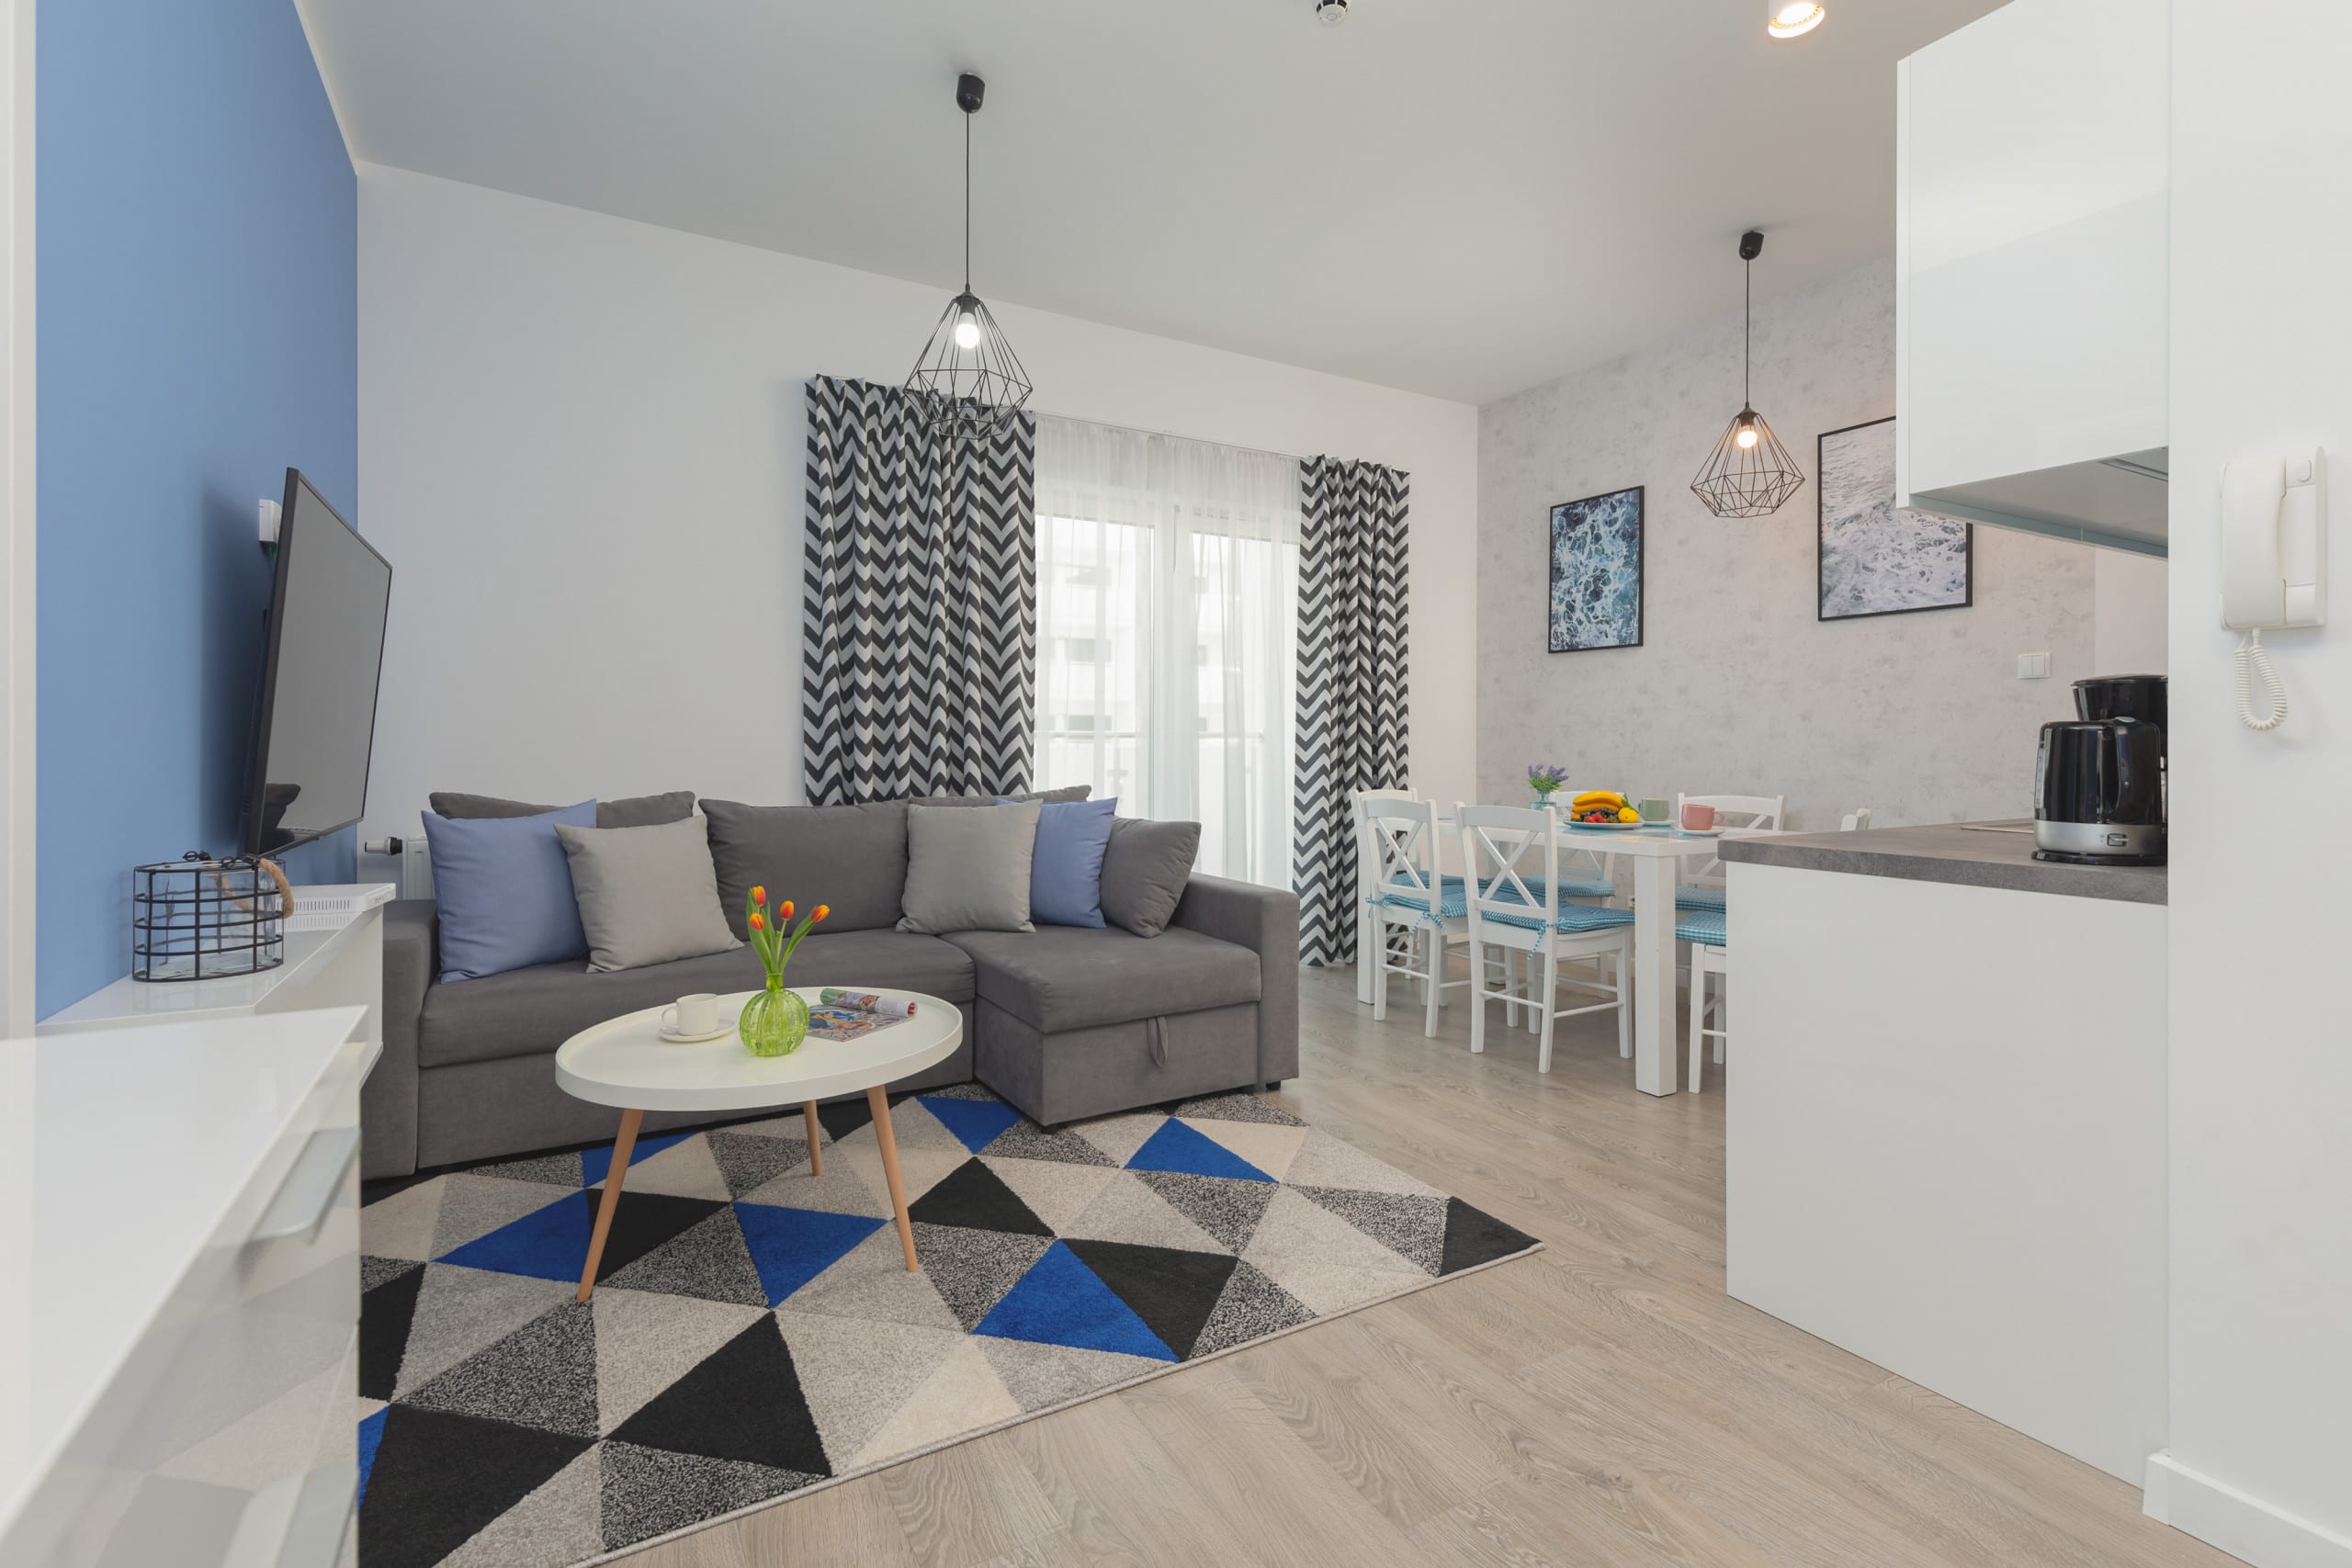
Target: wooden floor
[[1602, 1402]]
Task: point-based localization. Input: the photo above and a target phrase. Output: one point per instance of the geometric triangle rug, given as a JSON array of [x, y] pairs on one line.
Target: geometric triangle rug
[[754, 1333]]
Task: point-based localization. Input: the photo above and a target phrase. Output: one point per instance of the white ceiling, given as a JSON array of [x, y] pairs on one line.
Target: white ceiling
[[1459, 196]]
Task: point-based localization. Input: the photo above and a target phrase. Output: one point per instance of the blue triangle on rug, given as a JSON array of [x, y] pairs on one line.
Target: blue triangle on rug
[[371, 1436], [792, 1247], [597, 1163], [1062, 1302], [976, 1123], [1177, 1147]]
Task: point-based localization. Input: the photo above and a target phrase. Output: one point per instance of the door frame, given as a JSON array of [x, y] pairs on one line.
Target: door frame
[[19, 493]]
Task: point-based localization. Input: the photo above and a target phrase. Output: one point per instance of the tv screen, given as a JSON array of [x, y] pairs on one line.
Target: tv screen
[[317, 723]]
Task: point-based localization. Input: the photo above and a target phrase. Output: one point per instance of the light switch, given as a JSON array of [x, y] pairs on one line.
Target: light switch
[[2033, 666]]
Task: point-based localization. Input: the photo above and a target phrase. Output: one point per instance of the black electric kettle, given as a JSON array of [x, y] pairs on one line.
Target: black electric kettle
[[2098, 795]]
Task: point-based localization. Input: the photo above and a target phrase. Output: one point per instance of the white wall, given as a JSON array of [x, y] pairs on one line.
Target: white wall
[[1738, 687], [2128, 613], [2260, 1052], [582, 443]]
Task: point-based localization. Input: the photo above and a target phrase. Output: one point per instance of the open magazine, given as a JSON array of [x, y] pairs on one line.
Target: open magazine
[[851, 1015]]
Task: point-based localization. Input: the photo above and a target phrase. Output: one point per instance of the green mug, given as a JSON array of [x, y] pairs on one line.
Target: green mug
[[1655, 810]]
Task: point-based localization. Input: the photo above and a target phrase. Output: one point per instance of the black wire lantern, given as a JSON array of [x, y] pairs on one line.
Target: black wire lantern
[[968, 373], [1749, 473]]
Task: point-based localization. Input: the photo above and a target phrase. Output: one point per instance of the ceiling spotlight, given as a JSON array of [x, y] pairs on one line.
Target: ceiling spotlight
[[1331, 13], [1793, 19]]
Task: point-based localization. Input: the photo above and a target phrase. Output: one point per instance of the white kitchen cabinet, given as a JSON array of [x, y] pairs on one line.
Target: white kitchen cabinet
[[2032, 272]]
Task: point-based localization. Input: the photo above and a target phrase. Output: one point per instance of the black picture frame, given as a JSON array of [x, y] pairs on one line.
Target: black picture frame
[[1820, 531], [1552, 523]]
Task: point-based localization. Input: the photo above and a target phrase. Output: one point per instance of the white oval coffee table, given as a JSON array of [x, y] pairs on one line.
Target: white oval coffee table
[[623, 1062]]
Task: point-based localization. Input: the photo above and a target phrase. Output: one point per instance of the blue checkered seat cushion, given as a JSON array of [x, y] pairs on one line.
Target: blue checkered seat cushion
[[1453, 899], [1698, 897], [1704, 927], [1574, 918]]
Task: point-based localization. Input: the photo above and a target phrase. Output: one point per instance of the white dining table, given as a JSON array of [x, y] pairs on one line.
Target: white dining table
[[1657, 854]]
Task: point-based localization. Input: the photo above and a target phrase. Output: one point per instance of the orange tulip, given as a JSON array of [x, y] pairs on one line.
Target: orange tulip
[[759, 895], [823, 910], [759, 922], [784, 910]]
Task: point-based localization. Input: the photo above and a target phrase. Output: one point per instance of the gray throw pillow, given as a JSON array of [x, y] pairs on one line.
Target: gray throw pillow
[[646, 895], [1069, 793], [639, 811], [967, 870], [1145, 868], [852, 857]]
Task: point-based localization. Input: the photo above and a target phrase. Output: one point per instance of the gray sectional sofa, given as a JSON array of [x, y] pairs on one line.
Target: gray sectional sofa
[[1064, 1023]]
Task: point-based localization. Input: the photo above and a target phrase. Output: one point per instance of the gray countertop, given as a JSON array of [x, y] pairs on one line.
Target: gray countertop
[[1956, 852]]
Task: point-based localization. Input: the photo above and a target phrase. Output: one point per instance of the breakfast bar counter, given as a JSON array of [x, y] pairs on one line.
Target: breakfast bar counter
[[1945, 1120], [1970, 854]]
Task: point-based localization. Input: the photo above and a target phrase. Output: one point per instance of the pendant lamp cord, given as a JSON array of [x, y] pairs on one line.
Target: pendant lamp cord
[[968, 202], [1748, 304]]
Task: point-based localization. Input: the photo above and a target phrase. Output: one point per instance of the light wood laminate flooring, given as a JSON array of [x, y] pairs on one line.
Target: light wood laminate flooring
[[1601, 1403]]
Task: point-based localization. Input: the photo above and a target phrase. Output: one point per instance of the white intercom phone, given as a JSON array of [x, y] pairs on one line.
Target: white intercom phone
[[2274, 564]]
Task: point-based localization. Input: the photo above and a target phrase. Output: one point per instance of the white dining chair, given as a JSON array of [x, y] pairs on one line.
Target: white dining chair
[[1758, 813], [1408, 894], [1512, 865], [1708, 934], [1369, 930]]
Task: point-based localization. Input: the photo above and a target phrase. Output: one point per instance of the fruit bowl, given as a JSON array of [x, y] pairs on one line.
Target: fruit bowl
[[1605, 826]]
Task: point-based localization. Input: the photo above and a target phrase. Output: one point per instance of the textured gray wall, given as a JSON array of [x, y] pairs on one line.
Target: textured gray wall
[[1738, 689]]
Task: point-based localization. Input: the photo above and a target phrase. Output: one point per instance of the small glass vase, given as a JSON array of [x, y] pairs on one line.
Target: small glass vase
[[1540, 803], [774, 1022]]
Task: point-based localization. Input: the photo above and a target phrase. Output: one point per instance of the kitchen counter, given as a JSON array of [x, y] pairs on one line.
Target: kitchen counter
[[1945, 1135], [1984, 854]]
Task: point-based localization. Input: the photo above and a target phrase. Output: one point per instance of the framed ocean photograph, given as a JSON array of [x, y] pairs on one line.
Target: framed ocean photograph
[[1596, 598], [1875, 559]]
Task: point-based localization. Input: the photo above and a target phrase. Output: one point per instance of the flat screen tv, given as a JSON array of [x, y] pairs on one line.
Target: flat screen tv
[[317, 722]]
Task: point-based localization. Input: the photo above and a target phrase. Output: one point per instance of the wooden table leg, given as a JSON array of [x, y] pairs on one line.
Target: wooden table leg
[[889, 1142], [623, 1146], [815, 1156]]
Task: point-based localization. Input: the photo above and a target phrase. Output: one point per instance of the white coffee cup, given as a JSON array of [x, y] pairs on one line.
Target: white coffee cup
[[698, 1014]]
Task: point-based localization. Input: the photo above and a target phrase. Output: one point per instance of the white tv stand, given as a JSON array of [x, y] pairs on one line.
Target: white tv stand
[[332, 960]]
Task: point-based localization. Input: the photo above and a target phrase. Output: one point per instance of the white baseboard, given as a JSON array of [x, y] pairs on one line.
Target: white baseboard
[[2243, 1525]]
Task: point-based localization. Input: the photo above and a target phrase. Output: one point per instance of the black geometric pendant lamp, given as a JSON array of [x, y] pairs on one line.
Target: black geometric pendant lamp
[[1749, 473], [968, 374]]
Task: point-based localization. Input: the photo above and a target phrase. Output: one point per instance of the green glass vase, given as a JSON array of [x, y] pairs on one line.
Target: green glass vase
[[774, 1022]]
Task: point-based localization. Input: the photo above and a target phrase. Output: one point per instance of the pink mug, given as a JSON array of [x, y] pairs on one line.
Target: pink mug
[[1698, 819]]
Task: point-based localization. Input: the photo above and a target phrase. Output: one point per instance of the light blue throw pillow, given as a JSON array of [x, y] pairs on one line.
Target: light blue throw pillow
[[505, 891], [1066, 874]]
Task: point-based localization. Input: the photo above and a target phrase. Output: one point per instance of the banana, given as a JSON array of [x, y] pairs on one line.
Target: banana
[[1599, 797]]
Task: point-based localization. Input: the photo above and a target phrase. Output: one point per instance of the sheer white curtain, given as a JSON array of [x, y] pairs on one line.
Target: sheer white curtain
[[1168, 634]]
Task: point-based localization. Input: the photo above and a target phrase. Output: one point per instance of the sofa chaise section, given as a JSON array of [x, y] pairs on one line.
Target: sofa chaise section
[[1073, 1021]]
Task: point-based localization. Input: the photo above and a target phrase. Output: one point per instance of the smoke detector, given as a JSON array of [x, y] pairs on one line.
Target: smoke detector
[[1331, 13]]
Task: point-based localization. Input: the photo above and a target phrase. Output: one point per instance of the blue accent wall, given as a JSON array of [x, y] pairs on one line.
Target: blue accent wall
[[198, 320]]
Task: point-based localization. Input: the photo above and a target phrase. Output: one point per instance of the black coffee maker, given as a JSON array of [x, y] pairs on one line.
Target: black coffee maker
[[2098, 789]]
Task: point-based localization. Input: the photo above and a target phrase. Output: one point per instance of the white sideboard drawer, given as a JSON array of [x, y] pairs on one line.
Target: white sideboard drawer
[[227, 1432]]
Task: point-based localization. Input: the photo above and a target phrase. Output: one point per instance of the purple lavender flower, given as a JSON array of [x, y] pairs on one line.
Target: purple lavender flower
[[1545, 777]]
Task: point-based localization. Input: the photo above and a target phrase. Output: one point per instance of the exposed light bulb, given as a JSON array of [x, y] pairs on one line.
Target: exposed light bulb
[[1747, 437], [1793, 19], [968, 332]]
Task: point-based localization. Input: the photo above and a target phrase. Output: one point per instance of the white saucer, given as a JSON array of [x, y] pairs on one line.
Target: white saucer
[[668, 1038]]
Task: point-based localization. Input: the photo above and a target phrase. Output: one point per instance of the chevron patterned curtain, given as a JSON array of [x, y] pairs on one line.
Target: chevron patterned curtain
[[919, 616], [1351, 670]]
